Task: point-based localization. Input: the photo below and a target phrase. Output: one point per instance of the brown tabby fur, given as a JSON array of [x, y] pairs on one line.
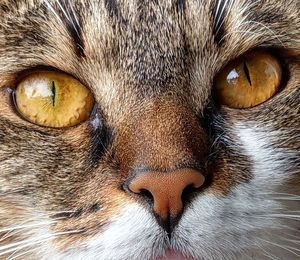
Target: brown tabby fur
[[151, 66]]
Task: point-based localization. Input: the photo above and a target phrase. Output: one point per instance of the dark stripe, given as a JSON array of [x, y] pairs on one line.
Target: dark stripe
[[77, 213], [268, 17], [28, 28], [94, 207], [4, 8], [112, 8], [219, 22], [74, 25], [181, 5], [66, 215], [62, 215]]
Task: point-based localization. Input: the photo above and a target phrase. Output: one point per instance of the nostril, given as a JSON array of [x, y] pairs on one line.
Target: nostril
[[147, 196], [188, 191], [166, 192]]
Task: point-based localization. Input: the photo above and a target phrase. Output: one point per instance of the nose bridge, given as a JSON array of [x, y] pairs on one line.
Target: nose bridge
[[161, 137]]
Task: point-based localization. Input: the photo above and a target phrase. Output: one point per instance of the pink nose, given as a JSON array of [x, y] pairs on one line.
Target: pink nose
[[167, 188]]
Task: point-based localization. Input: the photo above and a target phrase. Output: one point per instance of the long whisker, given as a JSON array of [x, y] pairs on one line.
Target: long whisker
[[293, 236], [24, 244], [30, 242], [274, 216], [23, 226], [267, 253], [280, 193], [287, 198], [13, 233], [14, 256], [287, 248], [13, 230], [68, 16], [51, 8], [10, 230], [266, 27], [53, 220], [297, 242]]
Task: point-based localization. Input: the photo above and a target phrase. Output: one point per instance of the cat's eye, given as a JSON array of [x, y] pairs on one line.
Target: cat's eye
[[249, 80], [53, 99]]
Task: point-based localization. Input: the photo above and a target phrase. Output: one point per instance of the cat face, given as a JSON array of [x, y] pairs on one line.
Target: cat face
[[159, 167]]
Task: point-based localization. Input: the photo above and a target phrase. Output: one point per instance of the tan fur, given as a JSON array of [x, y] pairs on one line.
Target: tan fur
[[151, 67]]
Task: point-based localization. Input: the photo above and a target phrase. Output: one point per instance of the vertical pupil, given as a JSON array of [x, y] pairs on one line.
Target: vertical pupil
[[53, 89], [246, 70]]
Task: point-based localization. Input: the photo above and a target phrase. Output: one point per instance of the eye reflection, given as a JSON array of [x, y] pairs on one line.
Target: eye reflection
[[249, 80], [232, 76], [53, 99], [37, 88]]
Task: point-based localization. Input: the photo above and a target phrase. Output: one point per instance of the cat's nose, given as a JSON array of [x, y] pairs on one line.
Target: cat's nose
[[167, 189]]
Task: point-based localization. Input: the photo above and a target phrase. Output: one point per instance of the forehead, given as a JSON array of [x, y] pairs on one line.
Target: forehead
[[132, 50], [143, 31]]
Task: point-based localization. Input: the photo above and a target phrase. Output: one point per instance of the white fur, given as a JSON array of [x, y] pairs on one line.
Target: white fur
[[271, 164], [133, 234]]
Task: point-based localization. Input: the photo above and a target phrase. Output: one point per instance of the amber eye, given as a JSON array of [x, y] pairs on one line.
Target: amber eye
[[249, 80], [53, 99]]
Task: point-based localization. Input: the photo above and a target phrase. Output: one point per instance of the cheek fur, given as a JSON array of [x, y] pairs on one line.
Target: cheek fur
[[132, 234], [273, 163], [254, 217]]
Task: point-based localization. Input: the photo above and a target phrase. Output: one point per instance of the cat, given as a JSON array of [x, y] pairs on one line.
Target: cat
[[159, 160]]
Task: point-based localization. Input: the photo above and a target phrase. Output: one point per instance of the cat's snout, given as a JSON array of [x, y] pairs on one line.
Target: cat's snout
[[161, 154], [166, 190]]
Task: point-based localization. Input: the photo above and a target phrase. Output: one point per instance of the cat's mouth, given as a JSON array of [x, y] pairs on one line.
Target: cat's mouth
[[171, 254]]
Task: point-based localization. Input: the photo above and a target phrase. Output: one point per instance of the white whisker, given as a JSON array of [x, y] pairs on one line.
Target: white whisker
[[287, 248], [20, 245], [33, 239], [287, 198], [280, 193], [24, 226], [267, 253], [67, 16], [11, 230], [50, 7], [285, 216], [277, 36], [17, 246], [15, 256]]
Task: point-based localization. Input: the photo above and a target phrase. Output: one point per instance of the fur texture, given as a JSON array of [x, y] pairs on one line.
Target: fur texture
[[151, 67]]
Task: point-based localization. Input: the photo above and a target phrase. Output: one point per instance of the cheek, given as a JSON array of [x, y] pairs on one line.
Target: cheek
[[127, 234], [86, 220], [22, 228], [273, 163]]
